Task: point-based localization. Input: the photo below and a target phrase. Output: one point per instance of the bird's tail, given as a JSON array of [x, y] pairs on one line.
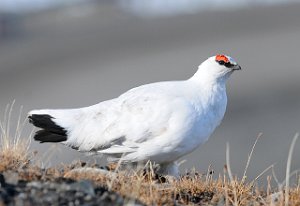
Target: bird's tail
[[54, 124]]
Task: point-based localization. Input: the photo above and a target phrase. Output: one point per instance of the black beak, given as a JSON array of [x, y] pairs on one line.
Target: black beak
[[236, 67]]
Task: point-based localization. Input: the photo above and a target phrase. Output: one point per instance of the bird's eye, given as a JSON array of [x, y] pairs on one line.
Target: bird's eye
[[221, 62]]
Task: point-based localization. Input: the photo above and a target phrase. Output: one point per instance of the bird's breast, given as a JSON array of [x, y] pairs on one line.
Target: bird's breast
[[209, 116]]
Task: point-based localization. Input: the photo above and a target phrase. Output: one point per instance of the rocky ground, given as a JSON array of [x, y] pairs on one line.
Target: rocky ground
[[59, 192], [36, 186], [24, 182]]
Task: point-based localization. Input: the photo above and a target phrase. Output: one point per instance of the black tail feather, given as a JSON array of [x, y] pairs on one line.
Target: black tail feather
[[45, 136], [50, 132]]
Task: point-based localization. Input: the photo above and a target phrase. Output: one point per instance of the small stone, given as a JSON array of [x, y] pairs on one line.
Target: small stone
[[77, 202], [88, 198], [84, 186], [33, 192], [45, 191], [11, 177], [22, 195], [53, 185], [35, 184], [64, 187]]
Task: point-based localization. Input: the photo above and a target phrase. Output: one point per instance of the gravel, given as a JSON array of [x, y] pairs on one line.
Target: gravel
[[61, 191]]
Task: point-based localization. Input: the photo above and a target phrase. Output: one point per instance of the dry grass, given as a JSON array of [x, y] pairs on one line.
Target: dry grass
[[14, 150], [192, 188]]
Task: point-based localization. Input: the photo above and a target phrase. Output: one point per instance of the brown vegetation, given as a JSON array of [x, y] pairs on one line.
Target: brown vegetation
[[147, 187]]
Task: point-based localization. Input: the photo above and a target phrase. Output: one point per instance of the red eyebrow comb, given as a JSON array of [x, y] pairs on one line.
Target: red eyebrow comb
[[222, 57]]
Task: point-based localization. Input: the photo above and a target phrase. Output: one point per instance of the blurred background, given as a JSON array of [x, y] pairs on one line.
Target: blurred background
[[75, 53]]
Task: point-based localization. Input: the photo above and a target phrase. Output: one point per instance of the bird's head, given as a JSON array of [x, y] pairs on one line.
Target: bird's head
[[218, 67]]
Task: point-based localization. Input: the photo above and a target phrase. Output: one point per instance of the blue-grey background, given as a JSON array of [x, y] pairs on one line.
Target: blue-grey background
[[66, 54]]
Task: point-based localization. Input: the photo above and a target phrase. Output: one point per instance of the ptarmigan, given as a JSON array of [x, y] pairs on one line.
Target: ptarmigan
[[160, 122]]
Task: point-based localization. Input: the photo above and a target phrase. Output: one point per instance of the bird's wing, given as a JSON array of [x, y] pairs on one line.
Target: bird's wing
[[121, 125]]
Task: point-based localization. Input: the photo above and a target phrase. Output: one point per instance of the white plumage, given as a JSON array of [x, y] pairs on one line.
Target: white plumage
[[160, 122]]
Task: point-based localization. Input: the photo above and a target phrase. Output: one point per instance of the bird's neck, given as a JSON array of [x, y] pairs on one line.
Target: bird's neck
[[211, 88], [209, 81]]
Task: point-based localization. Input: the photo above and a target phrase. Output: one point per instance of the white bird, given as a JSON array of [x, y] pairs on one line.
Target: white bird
[[160, 122]]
